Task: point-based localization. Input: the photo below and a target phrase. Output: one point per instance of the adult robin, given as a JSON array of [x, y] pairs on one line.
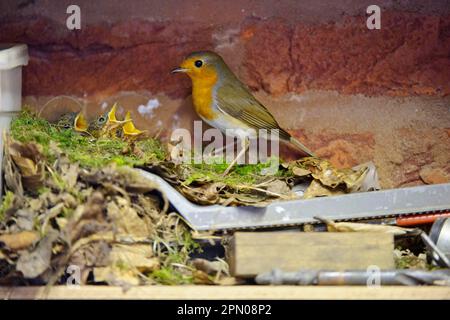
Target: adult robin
[[225, 103]]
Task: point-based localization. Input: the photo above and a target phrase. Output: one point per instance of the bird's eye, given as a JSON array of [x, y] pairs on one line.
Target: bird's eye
[[198, 63], [101, 119]]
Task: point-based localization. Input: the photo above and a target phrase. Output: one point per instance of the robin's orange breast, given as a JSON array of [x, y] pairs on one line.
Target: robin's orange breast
[[202, 97]]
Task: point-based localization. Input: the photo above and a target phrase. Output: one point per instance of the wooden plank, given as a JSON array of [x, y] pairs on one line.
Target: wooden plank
[[229, 292], [251, 253]]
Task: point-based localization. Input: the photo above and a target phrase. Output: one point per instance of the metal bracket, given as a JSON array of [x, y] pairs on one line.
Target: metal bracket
[[376, 204]]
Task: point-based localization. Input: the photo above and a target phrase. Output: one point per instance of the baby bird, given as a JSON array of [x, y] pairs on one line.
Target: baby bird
[[129, 130], [106, 125], [73, 120]]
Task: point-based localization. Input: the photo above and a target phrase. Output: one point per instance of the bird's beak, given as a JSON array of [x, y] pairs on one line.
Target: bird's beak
[[176, 70], [112, 114], [80, 123]]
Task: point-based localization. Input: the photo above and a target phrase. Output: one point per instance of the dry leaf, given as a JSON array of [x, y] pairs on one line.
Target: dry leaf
[[328, 180], [371, 181], [28, 158], [228, 281], [364, 227], [278, 187], [117, 276], [301, 172], [13, 178], [201, 277], [211, 267], [127, 221], [20, 240], [316, 189], [139, 256], [25, 219], [34, 263]]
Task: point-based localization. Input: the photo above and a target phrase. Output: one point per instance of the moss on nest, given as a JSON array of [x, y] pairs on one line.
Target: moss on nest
[[7, 202], [91, 152], [84, 149], [241, 174]]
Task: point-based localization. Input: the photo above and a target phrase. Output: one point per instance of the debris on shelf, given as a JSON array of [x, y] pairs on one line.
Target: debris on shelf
[[108, 221], [74, 206], [405, 259], [365, 227], [248, 184]]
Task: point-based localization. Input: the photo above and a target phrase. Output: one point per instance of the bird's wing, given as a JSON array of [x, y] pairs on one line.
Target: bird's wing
[[235, 100]]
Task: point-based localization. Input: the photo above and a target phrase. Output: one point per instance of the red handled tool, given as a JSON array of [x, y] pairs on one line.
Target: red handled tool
[[419, 219]]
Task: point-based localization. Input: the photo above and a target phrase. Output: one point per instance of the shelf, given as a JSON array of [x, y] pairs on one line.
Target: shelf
[[227, 292]]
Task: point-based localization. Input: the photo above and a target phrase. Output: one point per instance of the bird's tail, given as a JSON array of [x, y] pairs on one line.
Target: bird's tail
[[301, 146]]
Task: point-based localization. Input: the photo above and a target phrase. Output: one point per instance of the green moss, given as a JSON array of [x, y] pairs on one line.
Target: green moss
[[405, 259], [7, 202], [170, 276], [241, 174], [91, 152], [84, 149], [170, 272]]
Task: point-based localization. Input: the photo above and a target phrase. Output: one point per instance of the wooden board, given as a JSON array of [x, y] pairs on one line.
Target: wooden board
[[251, 253], [227, 292]]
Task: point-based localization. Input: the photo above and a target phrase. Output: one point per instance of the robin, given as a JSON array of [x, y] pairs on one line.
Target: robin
[[225, 103]]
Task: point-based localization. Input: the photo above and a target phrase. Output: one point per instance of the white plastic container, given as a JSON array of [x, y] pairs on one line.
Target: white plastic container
[[12, 58]]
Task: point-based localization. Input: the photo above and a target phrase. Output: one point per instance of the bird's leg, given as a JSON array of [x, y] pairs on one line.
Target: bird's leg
[[214, 152], [244, 144]]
